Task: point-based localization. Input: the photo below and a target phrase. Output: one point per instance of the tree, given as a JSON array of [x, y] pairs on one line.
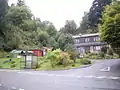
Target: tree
[[3, 9], [84, 25], [64, 40], [42, 37], [96, 12], [110, 25], [69, 28], [70, 48], [21, 3], [49, 27], [17, 15]]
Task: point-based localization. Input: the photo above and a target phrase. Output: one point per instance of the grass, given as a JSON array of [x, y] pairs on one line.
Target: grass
[[14, 64], [47, 66], [43, 66]]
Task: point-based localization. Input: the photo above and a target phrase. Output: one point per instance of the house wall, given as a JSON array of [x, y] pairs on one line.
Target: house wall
[[88, 43]]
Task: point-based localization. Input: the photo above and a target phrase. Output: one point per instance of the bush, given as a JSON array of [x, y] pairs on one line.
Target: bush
[[115, 56], [108, 56], [85, 61], [3, 54], [110, 51], [101, 55], [13, 65], [12, 62], [65, 59], [54, 57], [91, 56]]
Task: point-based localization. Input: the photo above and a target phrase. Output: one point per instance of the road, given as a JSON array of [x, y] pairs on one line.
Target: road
[[90, 78]]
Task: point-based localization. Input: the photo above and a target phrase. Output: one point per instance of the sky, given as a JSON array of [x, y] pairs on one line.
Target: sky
[[58, 11]]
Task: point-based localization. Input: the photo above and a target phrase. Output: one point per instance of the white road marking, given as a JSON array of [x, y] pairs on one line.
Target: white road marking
[[105, 69], [21, 89], [79, 76], [50, 75], [89, 76], [101, 77], [114, 78], [60, 75], [0, 85], [13, 88]]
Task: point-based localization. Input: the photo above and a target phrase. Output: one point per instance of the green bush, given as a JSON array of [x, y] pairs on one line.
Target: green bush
[[91, 56], [3, 54], [65, 59], [85, 61], [13, 65], [54, 57], [110, 51], [115, 56], [101, 55], [12, 62], [108, 56]]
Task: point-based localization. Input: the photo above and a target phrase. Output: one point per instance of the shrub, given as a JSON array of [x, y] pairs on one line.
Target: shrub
[[12, 62], [85, 61], [110, 51], [3, 54], [101, 55], [13, 65], [108, 56], [115, 56], [91, 56], [54, 57], [65, 59]]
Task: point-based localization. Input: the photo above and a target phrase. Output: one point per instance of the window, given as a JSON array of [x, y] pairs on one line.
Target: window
[[87, 39], [77, 41], [97, 47], [96, 39]]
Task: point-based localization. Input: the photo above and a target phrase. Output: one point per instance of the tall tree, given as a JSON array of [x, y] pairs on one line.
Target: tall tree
[[84, 25], [110, 25], [21, 3], [70, 27], [96, 12], [3, 9], [64, 40]]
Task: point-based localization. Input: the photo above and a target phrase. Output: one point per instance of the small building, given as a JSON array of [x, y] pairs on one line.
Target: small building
[[16, 53], [29, 60], [37, 52], [88, 43], [40, 52]]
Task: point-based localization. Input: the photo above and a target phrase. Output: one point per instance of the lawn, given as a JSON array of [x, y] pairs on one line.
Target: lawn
[[15, 64], [47, 66], [6, 63]]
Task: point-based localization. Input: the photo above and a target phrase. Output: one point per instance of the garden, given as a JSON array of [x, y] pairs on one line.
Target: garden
[[54, 60]]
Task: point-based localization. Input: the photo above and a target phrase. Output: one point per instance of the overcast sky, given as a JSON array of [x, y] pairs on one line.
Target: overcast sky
[[58, 11]]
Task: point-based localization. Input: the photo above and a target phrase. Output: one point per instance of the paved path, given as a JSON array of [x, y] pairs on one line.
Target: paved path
[[102, 76]]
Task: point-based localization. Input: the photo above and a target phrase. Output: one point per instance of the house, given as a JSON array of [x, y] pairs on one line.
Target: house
[[88, 43]]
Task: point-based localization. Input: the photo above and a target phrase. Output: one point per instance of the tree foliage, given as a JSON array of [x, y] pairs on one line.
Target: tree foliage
[[69, 28], [90, 20], [20, 29], [110, 25], [96, 12]]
